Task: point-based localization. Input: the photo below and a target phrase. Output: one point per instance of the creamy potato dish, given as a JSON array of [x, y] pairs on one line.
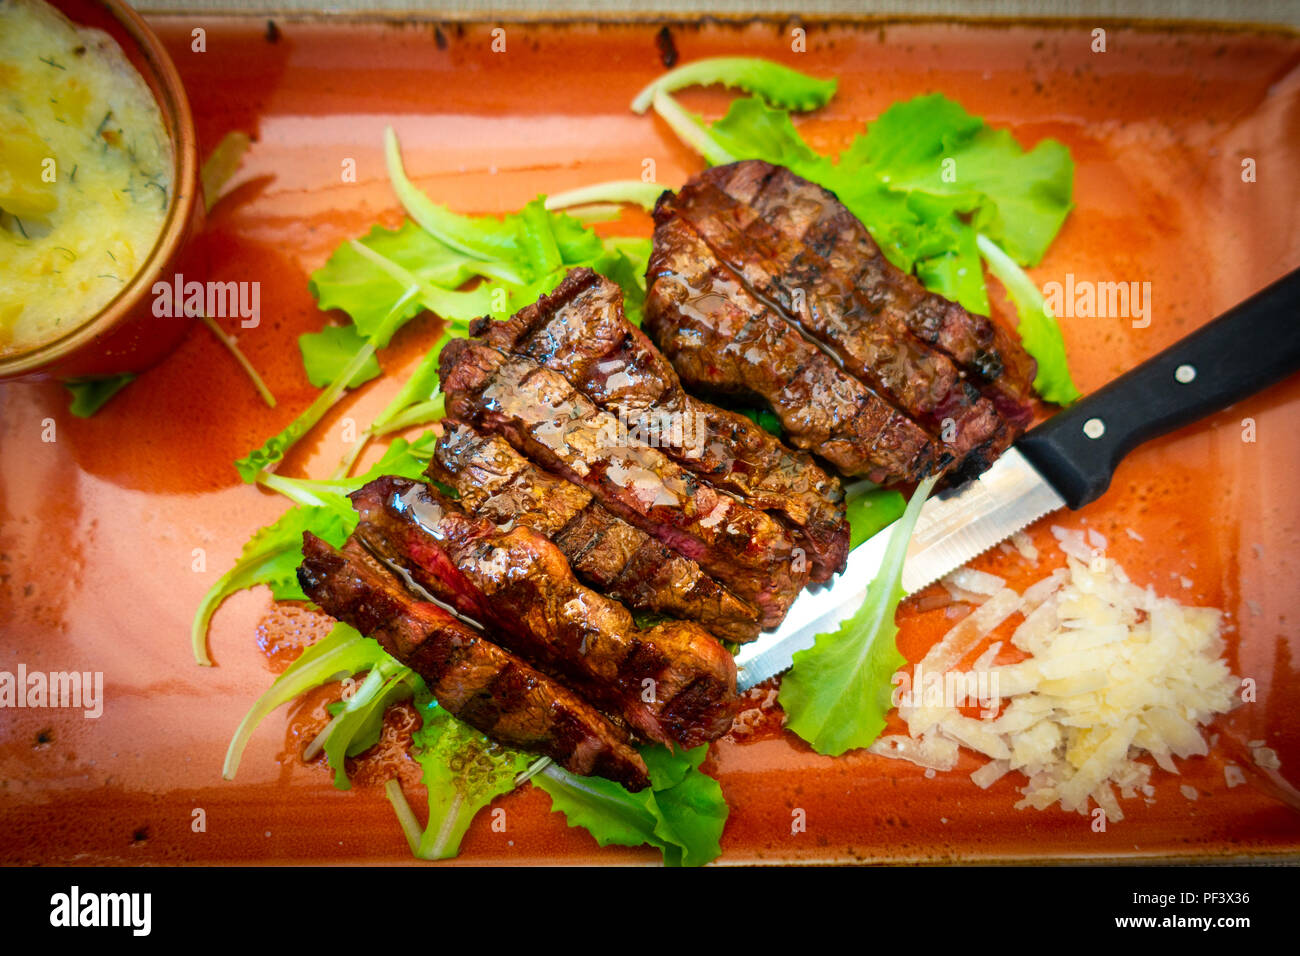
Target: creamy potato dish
[[85, 173]]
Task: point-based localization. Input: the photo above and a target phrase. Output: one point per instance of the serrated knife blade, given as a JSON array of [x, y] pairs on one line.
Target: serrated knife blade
[[953, 527]]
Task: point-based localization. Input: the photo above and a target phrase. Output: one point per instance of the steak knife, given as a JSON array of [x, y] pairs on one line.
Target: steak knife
[[1067, 461]]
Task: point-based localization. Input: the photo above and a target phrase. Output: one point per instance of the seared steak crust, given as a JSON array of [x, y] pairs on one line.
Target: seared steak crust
[[494, 481], [475, 680], [721, 338], [580, 331], [673, 682], [557, 427], [874, 344], [813, 218]]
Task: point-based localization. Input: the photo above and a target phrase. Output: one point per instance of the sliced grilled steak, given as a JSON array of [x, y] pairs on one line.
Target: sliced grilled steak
[[722, 339], [873, 344], [488, 688], [580, 331], [673, 682], [546, 419], [810, 216], [496, 482]]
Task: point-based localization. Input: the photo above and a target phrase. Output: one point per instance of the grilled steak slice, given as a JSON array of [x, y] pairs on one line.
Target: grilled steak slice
[[720, 338], [673, 682], [812, 217], [874, 345], [488, 688], [542, 416], [580, 331], [496, 482]]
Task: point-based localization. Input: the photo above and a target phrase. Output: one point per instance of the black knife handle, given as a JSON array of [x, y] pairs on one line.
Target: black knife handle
[[1241, 352]]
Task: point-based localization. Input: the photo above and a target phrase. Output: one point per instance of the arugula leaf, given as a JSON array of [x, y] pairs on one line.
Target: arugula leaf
[[271, 451], [753, 130], [777, 84], [341, 653], [765, 418], [90, 394], [631, 191], [931, 145], [326, 353], [353, 283], [869, 510], [682, 813], [464, 771], [1037, 329], [358, 720], [837, 693], [273, 553], [626, 267], [388, 277], [270, 557]]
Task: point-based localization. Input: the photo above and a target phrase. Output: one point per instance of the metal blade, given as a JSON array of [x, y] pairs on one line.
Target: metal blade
[[954, 526]]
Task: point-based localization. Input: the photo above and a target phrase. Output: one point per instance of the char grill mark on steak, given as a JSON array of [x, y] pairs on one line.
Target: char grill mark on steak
[[475, 680], [547, 420], [580, 331], [721, 339], [806, 214], [519, 584], [873, 344], [496, 482]]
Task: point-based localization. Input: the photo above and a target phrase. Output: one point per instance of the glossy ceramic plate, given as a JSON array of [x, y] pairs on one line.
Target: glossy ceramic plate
[[111, 532]]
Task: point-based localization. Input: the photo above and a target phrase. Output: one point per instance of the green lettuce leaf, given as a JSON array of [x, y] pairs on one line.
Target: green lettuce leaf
[[837, 693], [357, 721], [326, 353], [777, 84], [89, 395], [869, 510], [463, 772], [1037, 329], [682, 813], [340, 654], [272, 555]]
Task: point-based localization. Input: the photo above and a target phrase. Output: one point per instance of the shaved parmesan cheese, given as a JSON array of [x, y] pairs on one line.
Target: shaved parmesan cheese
[[990, 773], [970, 631], [1025, 545], [929, 751], [1115, 675], [978, 582]]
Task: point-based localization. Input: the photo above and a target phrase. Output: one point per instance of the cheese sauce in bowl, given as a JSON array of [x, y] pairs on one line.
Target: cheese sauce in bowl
[[98, 189]]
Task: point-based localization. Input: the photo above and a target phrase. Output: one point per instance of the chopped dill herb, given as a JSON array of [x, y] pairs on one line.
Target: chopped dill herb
[[161, 189], [19, 223], [52, 62], [107, 275]]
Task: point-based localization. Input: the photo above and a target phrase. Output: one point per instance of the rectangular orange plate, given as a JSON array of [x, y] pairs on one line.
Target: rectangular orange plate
[[111, 532]]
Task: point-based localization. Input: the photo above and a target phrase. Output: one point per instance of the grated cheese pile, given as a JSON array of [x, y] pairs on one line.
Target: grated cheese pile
[[1114, 673]]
